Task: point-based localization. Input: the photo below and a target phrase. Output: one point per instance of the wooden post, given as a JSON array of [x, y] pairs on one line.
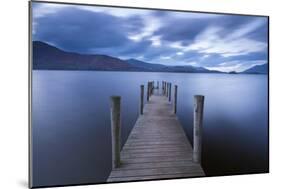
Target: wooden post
[[197, 127], [141, 98], [148, 89], [163, 87], [147, 92], [166, 84], [164, 91], [152, 87], [115, 114], [170, 91], [167, 89], [157, 84], [175, 99]]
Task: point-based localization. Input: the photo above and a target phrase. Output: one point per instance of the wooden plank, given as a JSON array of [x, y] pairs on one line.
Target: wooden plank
[[147, 165], [155, 171], [155, 154], [131, 143], [156, 159], [157, 147], [154, 135], [153, 150], [154, 177], [160, 139]]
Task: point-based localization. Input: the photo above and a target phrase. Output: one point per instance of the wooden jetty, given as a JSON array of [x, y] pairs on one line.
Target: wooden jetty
[[157, 147]]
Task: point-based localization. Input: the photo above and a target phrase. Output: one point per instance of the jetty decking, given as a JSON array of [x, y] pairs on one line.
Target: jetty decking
[[157, 147]]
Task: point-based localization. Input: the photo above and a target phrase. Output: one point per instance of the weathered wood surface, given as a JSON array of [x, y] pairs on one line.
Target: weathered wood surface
[[157, 146], [115, 111]]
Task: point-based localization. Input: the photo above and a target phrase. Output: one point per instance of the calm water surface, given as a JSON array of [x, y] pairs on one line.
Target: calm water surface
[[71, 121]]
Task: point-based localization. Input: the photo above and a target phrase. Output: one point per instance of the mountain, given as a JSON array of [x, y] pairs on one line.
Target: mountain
[[48, 57], [163, 68], [51, 58], [259, 69], [189, 69], [145, 65]]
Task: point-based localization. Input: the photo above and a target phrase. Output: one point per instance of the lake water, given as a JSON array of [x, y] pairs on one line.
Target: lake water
[[71, 121]]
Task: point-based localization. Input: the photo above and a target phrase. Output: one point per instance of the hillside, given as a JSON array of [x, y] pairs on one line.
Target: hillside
[[259, 69], [48, 57]]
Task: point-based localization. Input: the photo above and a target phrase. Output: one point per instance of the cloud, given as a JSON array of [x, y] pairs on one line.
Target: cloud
[[205, 56], [192, 63], [123, 13], [156, 41], [151, 24], [166, 57], [236, 65], [44, 9], [225, 68], [81, 31], [209, 41], [246, 29], [216, 41]]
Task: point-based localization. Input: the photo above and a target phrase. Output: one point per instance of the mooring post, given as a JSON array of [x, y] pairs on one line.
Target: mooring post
[[152, 87], [168, 86], [115, 111], [148, 89], [164, 93], [163, 86], [167, 89], [157, 84], [197, 127], [170, 91], [147, 92], [141, 98], [175, 99]]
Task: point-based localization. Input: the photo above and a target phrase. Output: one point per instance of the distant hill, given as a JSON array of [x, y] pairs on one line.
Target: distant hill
[[259, 69], [51, 58], [145, 65], [190, 69], [163, 68], [48, 57]]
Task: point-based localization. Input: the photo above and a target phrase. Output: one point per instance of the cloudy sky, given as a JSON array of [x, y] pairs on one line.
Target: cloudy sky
[[214, 41]]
